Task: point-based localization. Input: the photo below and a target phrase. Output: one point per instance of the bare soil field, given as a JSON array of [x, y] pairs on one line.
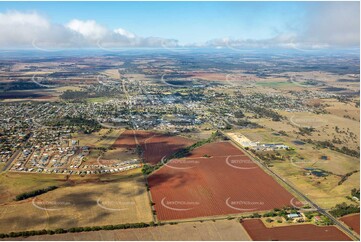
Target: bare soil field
[[352, 221], [158, 146], [154, 145], [224, 230], [258, 231], [224, 182], [131, 138], [89, 203], [215, 149]]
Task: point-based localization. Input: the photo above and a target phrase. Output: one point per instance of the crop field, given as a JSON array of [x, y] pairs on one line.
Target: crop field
[[117, 200], [222, 230], [131, 138], [258, 231], [216, 179], [154, 145], [352, 221]]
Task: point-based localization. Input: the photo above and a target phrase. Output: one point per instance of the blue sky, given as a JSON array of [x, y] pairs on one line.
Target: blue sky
[[199, 22], [184, 21]]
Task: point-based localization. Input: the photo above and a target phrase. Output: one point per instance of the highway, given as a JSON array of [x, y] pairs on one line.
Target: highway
[[341, 226]]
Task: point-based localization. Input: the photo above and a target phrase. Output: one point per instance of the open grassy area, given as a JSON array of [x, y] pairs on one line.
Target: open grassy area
[[12, 184], [327, 127], [101, 201], [325, 191], [103, 138]]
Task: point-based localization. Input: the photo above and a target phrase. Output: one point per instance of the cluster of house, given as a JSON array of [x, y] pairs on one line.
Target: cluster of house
[[66, 157]]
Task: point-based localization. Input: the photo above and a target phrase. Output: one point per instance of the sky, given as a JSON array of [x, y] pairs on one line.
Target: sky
[[175, 24]]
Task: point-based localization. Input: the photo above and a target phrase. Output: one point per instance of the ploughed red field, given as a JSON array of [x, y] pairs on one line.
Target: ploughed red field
[[154, 145], [258, 231], [215, 179], [352, 221]]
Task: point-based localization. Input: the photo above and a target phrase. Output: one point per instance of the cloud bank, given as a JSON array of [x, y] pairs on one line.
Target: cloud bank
[[23, 30], [326, 24]]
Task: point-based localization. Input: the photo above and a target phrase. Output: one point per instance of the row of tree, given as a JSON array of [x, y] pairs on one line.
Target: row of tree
[[147, 169], [35, 193], [76, 229]]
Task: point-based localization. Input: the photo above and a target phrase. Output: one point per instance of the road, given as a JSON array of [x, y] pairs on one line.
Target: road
[[15, 155], [10, 161], [300, 194]]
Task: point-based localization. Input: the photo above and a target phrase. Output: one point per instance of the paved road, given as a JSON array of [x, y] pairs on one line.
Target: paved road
[[309, 201], [10, 161], [15, 155]]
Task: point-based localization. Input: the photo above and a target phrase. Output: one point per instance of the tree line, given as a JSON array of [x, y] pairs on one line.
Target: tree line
[[35, 193], [76, 229], [147, 169]]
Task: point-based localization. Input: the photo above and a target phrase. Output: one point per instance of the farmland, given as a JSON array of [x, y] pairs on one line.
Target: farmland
[[101, 201], [185, 144], [154, 145], [224, 230], [352, 221], [215, 179], [258, 231]]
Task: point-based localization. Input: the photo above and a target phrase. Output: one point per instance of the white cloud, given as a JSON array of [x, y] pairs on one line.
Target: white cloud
[[125, 33], [29, 29], [17, 28], [333, 23], [89, 29], [326, 24]]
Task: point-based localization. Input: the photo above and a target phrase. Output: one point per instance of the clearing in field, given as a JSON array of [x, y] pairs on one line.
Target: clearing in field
[[100, 202], [258, 231], [215, 179], [353, 221]]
